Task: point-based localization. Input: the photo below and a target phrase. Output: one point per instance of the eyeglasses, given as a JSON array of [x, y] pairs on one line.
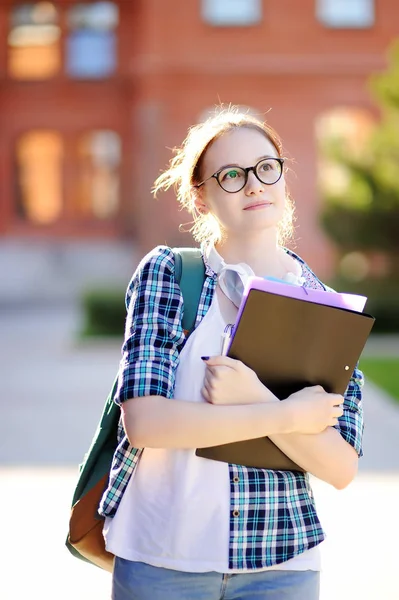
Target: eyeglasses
[[233, 179]]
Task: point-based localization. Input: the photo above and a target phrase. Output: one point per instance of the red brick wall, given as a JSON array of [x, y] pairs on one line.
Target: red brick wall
[[173, 66], [290, 64]]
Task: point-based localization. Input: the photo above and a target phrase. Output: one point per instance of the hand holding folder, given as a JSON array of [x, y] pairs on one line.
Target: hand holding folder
[[291, 342]]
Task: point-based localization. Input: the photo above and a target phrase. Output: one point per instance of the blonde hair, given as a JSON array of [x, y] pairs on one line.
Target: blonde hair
[[185, 167]]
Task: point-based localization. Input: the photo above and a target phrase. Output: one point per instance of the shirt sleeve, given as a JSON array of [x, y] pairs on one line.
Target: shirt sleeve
[[153, 333], [350, 425]]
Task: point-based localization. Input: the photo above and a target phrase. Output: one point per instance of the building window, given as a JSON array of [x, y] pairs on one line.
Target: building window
[[91, 43], [99, 157], [232, 13], [34, 41], [39, 157], [356, 14]]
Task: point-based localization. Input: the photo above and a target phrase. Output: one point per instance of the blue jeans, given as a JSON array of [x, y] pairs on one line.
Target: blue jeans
[[139, 581]]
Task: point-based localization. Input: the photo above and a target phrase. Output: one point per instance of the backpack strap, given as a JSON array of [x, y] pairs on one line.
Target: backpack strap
[[190, 274]]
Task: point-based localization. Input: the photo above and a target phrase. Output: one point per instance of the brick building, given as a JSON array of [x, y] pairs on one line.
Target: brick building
[[92, 95]]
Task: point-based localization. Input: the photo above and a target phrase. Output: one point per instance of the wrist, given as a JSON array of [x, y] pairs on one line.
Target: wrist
[[265, 395], [288, 417], [275, 418]]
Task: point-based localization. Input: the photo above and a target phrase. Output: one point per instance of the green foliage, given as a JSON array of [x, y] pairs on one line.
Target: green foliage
[[385, 86], [382, 300], [383, 371], [361, 210], [355, 229], [364, 214], [104, 312]]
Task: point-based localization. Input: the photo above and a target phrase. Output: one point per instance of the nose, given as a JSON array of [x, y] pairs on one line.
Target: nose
[[253, 185]]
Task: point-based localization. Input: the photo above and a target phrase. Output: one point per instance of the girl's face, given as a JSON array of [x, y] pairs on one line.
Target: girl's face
[[257, 206]]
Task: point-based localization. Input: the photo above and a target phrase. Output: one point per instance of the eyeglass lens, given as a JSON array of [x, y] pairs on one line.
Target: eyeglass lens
[[233, 179]]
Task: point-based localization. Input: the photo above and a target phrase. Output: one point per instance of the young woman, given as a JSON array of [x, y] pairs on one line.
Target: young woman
[[181, 526]]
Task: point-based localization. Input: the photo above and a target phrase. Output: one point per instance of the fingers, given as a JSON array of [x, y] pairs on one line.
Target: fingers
[[215, 380], [338, 411], [208, 385], [337, 399], [205, 395], [217, 373], [316, 388], [208, 379]]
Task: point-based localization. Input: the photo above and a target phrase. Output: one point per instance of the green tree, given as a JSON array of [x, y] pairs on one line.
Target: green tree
[[365, 215], [362, 214]]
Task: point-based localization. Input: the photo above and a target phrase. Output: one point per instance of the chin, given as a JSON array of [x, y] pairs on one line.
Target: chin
[[266, 223]]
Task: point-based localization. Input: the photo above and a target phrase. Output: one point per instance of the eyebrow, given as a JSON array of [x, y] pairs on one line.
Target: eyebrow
[[237, 165]]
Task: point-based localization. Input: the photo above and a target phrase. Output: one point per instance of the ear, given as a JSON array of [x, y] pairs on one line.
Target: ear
[[199, 202]]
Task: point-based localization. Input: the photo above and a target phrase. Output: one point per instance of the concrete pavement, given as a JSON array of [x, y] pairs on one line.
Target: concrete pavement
[[382, 345], [53, 392]]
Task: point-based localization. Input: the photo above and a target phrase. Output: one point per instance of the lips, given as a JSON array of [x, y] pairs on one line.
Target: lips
[[258, 205]]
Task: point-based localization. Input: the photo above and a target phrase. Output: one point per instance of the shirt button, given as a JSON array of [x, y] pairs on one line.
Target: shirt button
[[236, 513], [236, 479]]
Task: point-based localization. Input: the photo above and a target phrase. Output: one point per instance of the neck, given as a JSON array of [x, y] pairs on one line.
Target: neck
[[261, 252]]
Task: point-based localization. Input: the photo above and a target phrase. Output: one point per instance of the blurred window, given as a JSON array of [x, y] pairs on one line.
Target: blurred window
[[357, 14], [99, 156], [232, 13], [39, 156], [91, 42], [34, 41]]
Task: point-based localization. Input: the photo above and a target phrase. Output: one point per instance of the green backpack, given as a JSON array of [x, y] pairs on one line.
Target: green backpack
[[85, 539]]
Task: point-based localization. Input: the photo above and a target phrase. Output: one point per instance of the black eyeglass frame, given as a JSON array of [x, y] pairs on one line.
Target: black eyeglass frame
[[246, 171]]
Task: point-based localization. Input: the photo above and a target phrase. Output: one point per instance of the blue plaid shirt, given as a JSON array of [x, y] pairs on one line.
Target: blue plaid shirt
[[273, 515]]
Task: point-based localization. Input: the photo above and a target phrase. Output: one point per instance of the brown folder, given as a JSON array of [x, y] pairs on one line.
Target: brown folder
[[291, 344]]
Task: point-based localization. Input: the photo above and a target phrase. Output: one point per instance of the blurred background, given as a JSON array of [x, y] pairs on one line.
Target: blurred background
[[93, 96]]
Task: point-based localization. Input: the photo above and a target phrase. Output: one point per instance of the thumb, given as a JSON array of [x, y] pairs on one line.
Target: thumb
[[220, 361]]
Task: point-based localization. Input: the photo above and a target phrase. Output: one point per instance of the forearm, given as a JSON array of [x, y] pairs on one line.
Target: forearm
[[326, 455], [157, 422]]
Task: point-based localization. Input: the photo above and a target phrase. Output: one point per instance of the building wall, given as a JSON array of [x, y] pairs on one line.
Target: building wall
[[172, 67], [290, 68]]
